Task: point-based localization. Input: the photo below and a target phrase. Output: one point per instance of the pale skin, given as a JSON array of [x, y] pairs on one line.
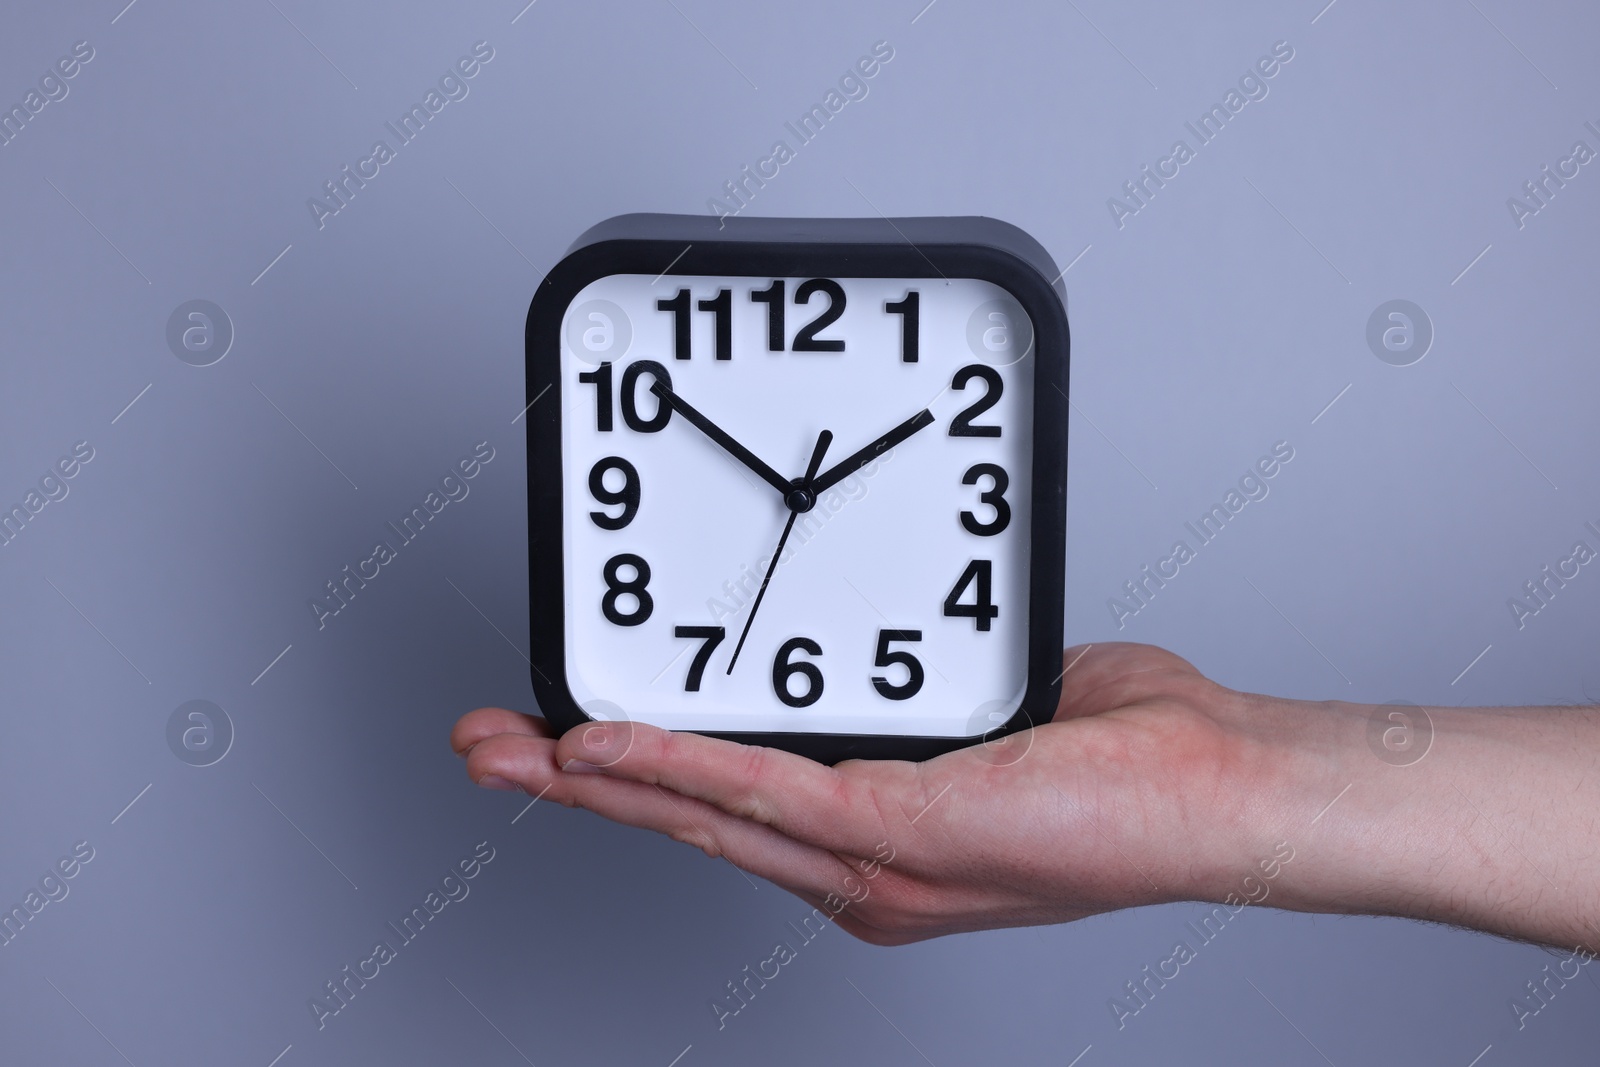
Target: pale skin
[[1152, 784]]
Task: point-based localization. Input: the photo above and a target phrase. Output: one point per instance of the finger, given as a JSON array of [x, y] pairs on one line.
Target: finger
[[530, 763], [486, 722], [797, 796]]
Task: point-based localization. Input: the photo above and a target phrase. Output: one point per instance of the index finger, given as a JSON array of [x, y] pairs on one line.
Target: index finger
[[487, 722]]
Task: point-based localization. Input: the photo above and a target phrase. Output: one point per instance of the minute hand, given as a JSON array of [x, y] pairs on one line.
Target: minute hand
[[717, 434], [848, 466]]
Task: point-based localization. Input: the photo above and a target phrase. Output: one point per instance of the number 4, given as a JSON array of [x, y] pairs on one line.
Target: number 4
[[979, 573]]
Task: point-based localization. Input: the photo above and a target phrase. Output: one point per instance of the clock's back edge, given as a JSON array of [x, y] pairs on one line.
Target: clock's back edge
[[917, 231], [930, 236]]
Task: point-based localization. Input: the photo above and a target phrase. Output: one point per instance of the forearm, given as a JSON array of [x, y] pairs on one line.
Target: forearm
[[1495, 825]]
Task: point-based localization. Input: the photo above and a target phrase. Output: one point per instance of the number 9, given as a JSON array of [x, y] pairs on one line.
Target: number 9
[[627, 496]]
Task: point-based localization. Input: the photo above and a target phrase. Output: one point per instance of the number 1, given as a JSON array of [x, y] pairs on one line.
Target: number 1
[[772, 296], [910, 314], [721, 306], [679, 306]]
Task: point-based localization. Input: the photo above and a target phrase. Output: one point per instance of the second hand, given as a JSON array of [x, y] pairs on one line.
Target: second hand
[[800, 499]]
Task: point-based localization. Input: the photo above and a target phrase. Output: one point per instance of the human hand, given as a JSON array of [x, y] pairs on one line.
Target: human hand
[[1132, 795], [1151, 784]]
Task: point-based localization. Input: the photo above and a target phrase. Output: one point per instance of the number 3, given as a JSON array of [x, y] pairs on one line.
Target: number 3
[[994, 497]]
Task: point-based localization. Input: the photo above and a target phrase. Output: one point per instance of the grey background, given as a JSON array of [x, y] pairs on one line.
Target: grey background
[[1225, 316]]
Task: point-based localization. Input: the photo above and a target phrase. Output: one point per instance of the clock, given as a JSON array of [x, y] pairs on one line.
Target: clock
[[799, 482]]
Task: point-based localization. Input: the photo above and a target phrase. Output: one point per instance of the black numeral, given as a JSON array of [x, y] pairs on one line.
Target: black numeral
[[601, 380], [994, 497], [910, 312], [634, 587], [806, 339], [711, 636], [782, 670], [627, 496], [961, 425], [721, 308], [630, 396], [979, 573], [772, 296], [679, 306], [914, 676]]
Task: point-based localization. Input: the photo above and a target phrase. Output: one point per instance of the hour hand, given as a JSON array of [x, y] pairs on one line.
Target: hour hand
[[848, 466], [716, 433]]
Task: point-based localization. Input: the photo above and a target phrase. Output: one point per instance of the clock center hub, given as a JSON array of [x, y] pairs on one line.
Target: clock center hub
[[800, 499]]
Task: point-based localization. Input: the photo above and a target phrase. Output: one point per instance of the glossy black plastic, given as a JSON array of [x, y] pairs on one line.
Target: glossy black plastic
[[957, 247]]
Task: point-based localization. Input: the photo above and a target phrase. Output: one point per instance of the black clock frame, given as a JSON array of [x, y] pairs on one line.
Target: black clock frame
[[964, 247]]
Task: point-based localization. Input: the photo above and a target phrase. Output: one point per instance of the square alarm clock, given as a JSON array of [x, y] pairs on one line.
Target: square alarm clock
[[799, 482]]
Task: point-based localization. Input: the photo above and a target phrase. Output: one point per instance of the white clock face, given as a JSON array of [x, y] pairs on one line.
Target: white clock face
[[898, 603]]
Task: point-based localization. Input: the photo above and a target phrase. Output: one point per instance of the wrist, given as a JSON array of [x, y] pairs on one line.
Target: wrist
[[1280, 755], [1463, 816]]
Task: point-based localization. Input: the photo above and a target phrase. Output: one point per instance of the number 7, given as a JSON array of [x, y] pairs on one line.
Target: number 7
[[712, 636]]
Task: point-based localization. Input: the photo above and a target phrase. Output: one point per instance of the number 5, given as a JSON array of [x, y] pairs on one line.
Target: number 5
[[885, 658]]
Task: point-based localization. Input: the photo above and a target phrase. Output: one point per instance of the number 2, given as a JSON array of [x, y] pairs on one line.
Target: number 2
[[806, 339], [961, 425]]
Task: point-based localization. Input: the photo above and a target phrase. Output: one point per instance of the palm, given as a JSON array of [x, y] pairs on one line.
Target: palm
[[1069, 819], [1083, 814]]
